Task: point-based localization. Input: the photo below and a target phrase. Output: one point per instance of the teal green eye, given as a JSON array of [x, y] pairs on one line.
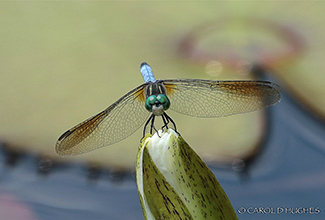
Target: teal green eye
[[164, 101], [150, 102]]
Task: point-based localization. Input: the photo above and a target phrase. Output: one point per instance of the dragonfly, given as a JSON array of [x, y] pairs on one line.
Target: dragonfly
[[192, 97]]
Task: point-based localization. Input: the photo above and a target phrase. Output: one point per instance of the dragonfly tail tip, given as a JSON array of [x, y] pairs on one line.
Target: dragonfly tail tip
[[143, 63]]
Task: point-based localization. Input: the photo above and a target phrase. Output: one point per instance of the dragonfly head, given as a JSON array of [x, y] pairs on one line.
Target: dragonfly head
[[157, 104]]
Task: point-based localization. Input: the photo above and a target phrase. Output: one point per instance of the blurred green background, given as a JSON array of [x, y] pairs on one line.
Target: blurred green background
[[62, 62]]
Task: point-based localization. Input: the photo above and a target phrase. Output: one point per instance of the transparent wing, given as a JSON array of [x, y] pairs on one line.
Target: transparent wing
[[112, 125], [207, 98]]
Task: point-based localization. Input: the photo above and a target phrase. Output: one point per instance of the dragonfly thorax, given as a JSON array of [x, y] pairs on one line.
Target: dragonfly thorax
[[157, 104]]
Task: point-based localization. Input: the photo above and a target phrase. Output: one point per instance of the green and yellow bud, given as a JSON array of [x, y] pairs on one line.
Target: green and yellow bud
[[174, 183]]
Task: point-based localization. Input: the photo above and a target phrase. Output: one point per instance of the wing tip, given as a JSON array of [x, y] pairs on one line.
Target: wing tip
[[276, 86]]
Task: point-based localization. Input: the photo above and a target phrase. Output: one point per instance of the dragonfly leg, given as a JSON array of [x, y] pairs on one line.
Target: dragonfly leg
[[166, 120], [150, 119], [152, 126]]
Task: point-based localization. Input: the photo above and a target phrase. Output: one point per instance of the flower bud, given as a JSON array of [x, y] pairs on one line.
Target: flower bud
[[174, 183]]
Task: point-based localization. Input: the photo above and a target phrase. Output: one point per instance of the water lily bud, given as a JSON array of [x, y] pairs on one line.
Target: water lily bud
[[174, 183]]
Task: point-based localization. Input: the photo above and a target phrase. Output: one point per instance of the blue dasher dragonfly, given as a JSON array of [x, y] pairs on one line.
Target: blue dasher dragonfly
[[192, 97]]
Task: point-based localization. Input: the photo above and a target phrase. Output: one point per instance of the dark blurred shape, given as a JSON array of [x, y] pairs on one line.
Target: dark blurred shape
[[12, 154], [116, 175], [94, 172]]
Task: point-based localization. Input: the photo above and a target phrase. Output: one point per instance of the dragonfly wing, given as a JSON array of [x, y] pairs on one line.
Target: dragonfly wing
[[112, 125], [207, 98]]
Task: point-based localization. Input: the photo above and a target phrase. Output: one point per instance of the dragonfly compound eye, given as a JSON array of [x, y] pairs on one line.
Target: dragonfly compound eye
[[150, 102], [164, 101]]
